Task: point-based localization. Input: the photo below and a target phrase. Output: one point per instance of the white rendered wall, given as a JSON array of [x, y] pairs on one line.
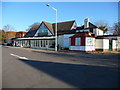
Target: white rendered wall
[[118, 42], [114, 44], [105, 43], [90, 44], [61, 40], [78, 48], [90, 48], [89, 41], [99, 44], [98, 32], [66, 42], [82, 48], [102, 44]]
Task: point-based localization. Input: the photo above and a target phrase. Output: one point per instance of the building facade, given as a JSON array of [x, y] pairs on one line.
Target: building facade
[[86, 38], [11, 34], [44, 36], [84, 42]]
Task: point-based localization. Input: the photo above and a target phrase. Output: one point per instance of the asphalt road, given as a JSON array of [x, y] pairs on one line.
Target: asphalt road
[[32, 68]]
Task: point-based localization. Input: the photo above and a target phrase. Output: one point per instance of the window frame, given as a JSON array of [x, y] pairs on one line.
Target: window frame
[[77, 41]]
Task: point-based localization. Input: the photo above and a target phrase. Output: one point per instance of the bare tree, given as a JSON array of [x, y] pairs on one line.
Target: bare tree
[[103, 25], [34, 26], [110, 30], [8, 28], [116, 28]]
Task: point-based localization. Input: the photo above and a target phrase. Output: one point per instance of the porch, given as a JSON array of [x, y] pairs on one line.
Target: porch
[[47, 43]]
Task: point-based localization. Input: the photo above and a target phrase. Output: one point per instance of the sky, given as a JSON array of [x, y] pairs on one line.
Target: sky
[[21, 15], [60, 0]]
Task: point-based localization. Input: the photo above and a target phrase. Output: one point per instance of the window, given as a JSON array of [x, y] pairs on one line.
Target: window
[[51, 43], [46, 42], [91, 30], [90, 41], [36, 43], [43, 30], [77, 41], [40, 31], [43, 43]]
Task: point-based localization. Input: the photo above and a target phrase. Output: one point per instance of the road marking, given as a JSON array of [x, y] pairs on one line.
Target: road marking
[[18, 56]]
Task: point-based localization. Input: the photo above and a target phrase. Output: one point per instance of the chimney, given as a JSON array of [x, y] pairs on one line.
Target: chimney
[[86, 23]]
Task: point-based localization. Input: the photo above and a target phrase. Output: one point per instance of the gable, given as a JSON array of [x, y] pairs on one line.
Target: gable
[[74, 26], [43, 30], [62, 27]]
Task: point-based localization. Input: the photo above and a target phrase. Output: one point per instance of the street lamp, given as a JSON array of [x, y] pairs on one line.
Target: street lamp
[[55, 25]]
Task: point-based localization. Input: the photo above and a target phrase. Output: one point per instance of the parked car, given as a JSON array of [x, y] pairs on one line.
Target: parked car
[[10, 43], [5, 44]]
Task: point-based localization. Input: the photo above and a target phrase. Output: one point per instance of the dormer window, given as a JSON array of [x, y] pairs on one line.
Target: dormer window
[[91, 30]]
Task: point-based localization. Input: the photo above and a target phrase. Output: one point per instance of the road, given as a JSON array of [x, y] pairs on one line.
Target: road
[[32, 68]]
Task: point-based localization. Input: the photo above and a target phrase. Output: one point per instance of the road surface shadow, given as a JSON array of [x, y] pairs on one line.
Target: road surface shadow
[[86, 55], [108, 60], [80, 76]]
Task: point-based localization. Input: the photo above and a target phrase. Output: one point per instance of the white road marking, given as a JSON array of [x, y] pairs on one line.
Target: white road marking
[[18, 56]]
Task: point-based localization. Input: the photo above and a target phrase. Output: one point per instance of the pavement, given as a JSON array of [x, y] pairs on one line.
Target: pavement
[[33, 68]]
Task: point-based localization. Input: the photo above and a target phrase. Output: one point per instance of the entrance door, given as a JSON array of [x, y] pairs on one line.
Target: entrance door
[[110, 45]]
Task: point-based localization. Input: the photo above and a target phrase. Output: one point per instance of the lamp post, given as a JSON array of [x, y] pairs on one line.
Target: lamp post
[[55, 25]]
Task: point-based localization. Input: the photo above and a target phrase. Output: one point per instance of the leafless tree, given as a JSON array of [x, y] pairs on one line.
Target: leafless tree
[[34, 26], [110, 30], [8, 28], [102, 25], [116, 28]]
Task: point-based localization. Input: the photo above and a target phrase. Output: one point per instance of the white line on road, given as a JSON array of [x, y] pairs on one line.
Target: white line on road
[[18, 56]]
